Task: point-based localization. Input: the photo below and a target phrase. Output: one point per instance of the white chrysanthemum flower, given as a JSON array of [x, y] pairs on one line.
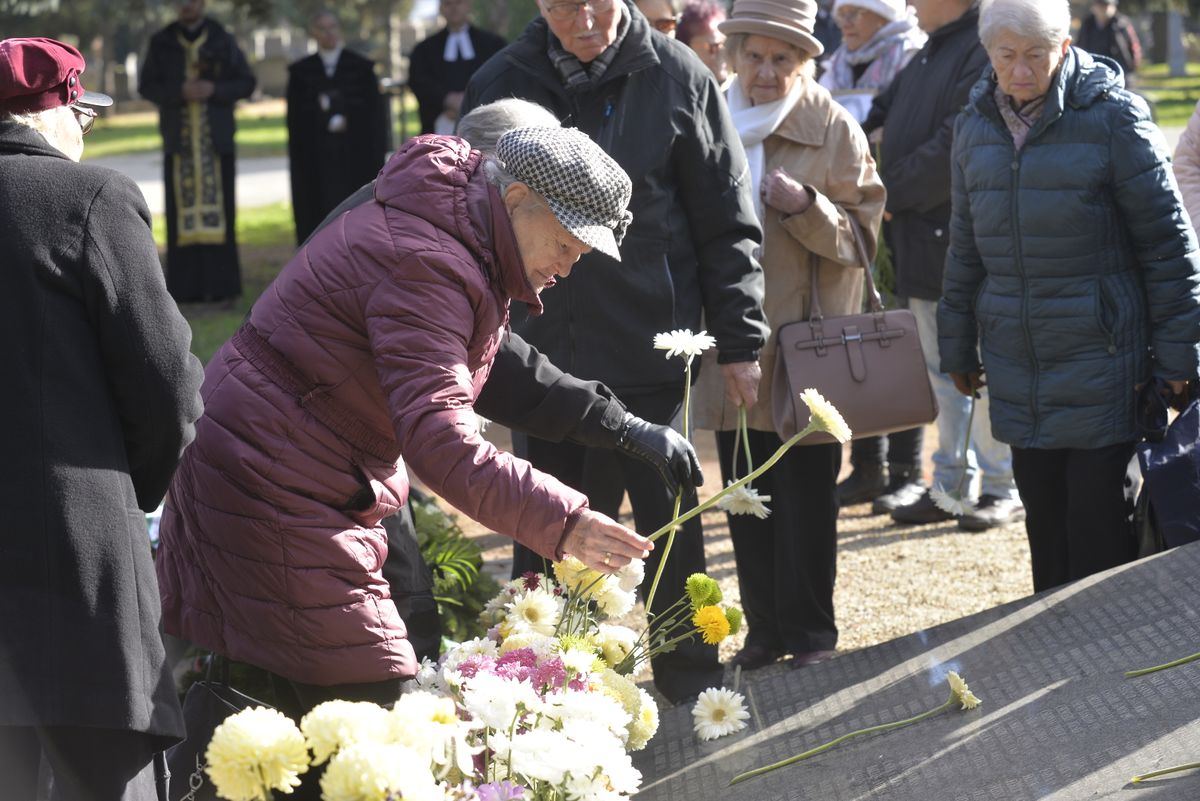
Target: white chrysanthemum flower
[[719, 711], [539, 753], [496, 702], [480, 646], [745, 501], [826, 415], [372, 771], [336, 724], [961, 692], [577, 659], [430, 726], [615, 642], [583, 715], [428, 679], [682, 342], [630, 577], [645, 722], [951, 502], [536, 611], [542, 645], [254, 752], [612, 601]]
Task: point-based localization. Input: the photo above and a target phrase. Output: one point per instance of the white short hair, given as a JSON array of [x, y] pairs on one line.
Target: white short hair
[[484, 125], [1048, 21]]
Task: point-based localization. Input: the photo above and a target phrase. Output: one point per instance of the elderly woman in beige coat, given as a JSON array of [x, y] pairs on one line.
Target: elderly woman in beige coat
[[813, 172], [1187, 166]]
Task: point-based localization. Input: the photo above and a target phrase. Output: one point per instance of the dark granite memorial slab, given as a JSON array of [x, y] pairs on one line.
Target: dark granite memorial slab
[[1058, 719]]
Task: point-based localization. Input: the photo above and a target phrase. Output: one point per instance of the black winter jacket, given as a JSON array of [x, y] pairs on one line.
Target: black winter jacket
[[222, 62], [660, 115], [917, 116], [100, 396], [1072, 262]]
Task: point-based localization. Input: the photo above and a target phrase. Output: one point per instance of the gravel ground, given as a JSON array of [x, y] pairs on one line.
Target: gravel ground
[[892, 580]]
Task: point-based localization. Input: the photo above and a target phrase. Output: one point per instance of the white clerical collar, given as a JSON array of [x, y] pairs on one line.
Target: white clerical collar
[[458, 45], [330, 59]]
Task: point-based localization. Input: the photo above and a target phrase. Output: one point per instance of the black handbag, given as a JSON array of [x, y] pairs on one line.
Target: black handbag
[[205, 706]]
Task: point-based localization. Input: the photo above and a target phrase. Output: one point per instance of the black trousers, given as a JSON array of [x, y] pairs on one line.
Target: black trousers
[[296, 700], [787, 563], [1078, 516], [86, 764], [898, 448], [605, 476]]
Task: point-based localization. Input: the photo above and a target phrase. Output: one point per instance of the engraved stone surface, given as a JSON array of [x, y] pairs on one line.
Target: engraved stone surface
[[1058, 719]]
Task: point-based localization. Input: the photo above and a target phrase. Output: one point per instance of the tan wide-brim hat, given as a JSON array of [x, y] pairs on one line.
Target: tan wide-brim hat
[[790, 21]]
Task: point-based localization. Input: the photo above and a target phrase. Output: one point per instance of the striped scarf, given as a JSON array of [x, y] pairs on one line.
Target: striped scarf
[[577, 77]]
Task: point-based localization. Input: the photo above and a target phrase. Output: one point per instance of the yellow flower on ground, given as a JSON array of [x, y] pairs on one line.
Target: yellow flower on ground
[[712, 624], [682, 342], [825, 415], [960, 693], [254, 752]]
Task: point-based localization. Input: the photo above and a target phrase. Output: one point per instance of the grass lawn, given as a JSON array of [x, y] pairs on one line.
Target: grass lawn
[[261, 131], [1174, 98], [266, 240]]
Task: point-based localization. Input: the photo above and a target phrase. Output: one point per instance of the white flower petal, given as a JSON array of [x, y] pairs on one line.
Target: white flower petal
[[719, 711]]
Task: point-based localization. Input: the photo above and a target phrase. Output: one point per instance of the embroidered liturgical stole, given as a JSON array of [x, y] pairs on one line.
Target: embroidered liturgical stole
[[199, 202]]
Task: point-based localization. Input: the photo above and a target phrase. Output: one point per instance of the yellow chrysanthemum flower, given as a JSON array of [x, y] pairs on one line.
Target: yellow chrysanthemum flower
[[960, 693], [825, 415], [336, 724], [645, 723], [254, 752], [711, 623], [375, 772]]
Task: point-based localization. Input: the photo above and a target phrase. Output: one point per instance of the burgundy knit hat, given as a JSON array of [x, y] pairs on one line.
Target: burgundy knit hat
[[39, 74]]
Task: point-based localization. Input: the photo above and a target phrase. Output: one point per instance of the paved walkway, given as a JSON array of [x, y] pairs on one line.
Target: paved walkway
[[263, 181]]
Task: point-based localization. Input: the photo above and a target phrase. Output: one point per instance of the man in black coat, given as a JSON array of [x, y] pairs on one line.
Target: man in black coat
[[100, 396], [195, 72], [336, 122], [440, 66], [655, 108], [917, 115], [1107, 32]]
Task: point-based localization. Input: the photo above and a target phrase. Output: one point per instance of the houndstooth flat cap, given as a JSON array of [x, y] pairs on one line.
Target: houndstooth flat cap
[[587, 191]]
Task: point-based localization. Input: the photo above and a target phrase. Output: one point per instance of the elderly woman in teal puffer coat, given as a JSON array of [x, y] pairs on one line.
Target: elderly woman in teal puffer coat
[[1072, 271]]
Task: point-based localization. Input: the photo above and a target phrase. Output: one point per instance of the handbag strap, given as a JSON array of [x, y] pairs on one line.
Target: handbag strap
[[860, 246]]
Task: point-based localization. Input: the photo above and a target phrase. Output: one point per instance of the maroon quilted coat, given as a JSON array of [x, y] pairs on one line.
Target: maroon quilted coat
[[272, 548]]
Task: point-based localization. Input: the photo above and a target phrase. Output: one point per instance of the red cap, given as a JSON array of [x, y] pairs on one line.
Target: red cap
[[39, 74]]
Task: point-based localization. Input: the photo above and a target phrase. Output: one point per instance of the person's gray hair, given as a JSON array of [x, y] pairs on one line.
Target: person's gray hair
[[735, 41], [54, 124], [1046, 21], [483, 126], [495, 173]]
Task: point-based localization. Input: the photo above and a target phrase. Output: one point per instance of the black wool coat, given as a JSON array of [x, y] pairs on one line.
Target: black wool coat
[[100, 396], [328, 166], [164, 71], [917, 114]]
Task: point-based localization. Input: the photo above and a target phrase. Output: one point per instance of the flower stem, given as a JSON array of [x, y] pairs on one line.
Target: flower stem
[[1156, 773], [741, 482], [750, 774], [687, 434], [1133, 674], [962, 477]]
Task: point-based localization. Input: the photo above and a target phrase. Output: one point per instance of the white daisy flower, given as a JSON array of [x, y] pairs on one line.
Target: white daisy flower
[[536, 611], [745, 501], [682, 342], [961, 692], [826, 415], [719, 711], [951, 502]]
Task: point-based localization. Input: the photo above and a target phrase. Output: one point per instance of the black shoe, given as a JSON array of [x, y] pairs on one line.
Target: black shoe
[[752, 657], [904, 494], [992, 511], [922, 512], [864, 484]]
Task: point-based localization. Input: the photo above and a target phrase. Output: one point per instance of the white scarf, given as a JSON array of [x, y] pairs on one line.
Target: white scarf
[[754, 124], [458, 46]]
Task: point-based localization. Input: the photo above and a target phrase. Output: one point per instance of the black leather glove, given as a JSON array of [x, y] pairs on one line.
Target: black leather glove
[[663, 448]]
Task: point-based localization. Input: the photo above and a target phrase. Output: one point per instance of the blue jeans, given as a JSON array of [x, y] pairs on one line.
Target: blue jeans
[[988, 459]]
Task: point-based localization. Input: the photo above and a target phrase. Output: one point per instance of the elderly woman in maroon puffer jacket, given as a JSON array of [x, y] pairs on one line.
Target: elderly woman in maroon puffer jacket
[[372, 345]]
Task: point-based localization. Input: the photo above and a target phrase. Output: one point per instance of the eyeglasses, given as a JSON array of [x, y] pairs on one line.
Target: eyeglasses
[[85, 117], [568, 11], [665, 24]]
